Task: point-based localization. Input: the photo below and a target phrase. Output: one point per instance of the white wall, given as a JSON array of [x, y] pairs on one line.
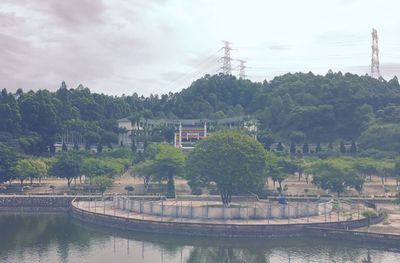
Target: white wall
[[269, 211]]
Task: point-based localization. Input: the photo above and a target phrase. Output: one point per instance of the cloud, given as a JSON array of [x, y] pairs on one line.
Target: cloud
[[121, 46], [278, 47], [82, 41], [76, 12], [64, 13]]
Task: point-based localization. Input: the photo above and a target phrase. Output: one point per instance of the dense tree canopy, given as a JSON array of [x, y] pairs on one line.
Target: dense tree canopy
[[67, 166], [233, 161], [8, 159], [162, 162], [295, 108], [336, 175], [29, 168]]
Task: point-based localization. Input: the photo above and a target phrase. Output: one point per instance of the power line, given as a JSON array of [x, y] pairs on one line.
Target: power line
[[205, 63]]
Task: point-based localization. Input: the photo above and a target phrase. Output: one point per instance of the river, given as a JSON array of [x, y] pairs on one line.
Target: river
[[28, 238]]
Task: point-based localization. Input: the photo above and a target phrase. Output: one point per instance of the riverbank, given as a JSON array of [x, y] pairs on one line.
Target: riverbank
[[218, 228], [43, 237], [102, 214]]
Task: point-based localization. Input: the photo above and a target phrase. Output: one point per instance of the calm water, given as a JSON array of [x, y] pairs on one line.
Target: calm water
[[57, 238]]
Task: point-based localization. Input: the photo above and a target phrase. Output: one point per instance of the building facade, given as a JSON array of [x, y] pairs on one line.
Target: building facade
[[186, 131]]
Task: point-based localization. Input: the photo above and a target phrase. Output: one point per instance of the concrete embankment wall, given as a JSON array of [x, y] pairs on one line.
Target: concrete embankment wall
[[35, 203], [204, 228], [335, 230], [356, 236]]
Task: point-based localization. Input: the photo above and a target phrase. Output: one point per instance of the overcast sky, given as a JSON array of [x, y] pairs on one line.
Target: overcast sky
[[157, 46]]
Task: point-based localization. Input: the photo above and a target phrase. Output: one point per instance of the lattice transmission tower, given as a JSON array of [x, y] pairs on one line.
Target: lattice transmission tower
[[242, 68], [375, 72], [226, 59]]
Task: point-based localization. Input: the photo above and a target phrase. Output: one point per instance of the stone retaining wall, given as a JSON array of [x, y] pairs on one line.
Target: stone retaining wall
[[33, 203]]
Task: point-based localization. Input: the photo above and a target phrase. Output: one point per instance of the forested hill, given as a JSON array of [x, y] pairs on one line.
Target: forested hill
[[293, 107]]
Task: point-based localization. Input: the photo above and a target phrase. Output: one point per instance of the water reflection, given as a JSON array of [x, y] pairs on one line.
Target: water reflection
[[56, 238]]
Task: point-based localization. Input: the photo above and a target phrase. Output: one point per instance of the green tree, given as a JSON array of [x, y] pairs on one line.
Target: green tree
[[280, 169], [234, 161], [366, 167], [293, 148], [30, 143], [318, 148], [397, 172], [297, 137], [9, 113], [8, 159], [67, 166], [99, 148], [23, 171], [353, 148], [109, 138], [39, 114], [168, 162], [386, 169], [101, 183], [369, 213], [306, 149], [382, 137], [279, 147], [267, 138], [92, 167], [336, 177], [277, 175], [76, 147], [28, 169], [145, 170], [330, 146], [342, 147]]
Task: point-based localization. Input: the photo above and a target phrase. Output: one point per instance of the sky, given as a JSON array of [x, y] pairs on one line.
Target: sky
[[158, 46]]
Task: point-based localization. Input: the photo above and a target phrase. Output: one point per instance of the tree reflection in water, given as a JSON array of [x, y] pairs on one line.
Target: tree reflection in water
[[57, 238], [225, 255]]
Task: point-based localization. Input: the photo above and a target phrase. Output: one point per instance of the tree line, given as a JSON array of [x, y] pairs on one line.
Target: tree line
[[237, 164], [98, 170], [294, 108]]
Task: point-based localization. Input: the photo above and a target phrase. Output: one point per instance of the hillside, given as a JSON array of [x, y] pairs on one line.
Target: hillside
[[293, 107]]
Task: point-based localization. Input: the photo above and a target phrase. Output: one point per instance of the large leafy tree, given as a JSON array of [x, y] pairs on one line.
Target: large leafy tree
[[281, 168], [385, 137], [92, 167], [145, 170], [366, 167], [168, 162], [101, 183], [233, 161], [8, 159], [9, 113], [67, 166], [39, 114], [29, 169], [162, 162], [335, 176]]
